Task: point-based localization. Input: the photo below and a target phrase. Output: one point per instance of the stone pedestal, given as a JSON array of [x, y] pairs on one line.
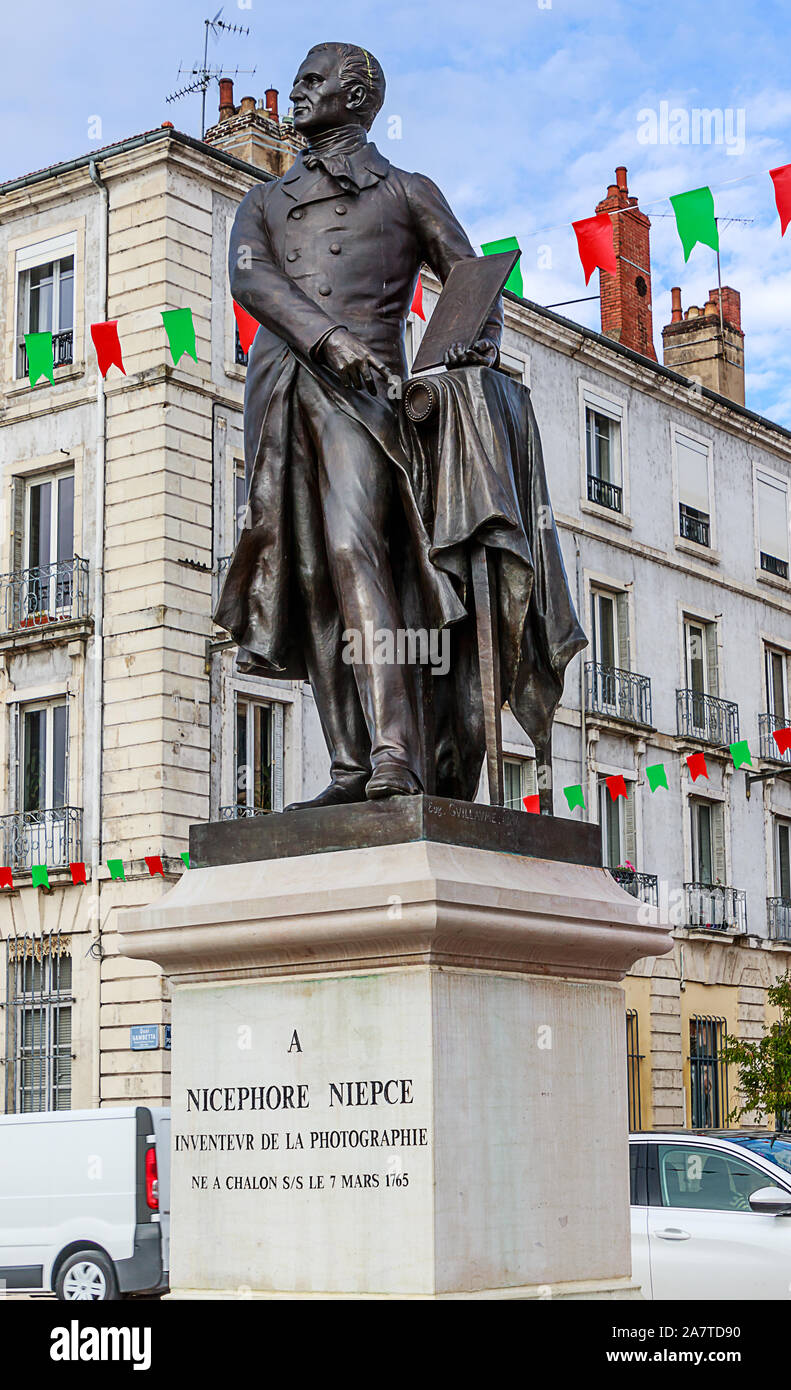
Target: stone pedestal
[[399, 1069]]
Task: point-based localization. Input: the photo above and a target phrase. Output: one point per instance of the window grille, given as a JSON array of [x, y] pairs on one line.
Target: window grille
[[38, 1023]]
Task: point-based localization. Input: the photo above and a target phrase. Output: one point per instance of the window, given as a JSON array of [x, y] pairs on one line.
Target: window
[[700, 660], [708, 841], [616, 819], [44, 758], [783, 860], [239, 498], [633, 1060], [45, 298], [706, 1179], [38, 1023], [258, 758], [603, 454], [48, 552], [519, 781], [708, 1075], [776, 686], [692, 461], [772, 504], [608, 693]]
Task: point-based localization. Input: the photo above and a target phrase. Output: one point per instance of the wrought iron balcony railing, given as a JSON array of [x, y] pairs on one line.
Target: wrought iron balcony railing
[[778, 919], [48, 594], [767, 723], [773, 565], [604, 493], [694, 525], [240, 811], [52, 837], [706, 717], [642, 886], [620, 694], [62, 351], [713, 907]]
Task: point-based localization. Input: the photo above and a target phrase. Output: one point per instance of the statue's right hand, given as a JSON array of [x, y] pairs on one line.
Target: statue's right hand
[[352, 360]]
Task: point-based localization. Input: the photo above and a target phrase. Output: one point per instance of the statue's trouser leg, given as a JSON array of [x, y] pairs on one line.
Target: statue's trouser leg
[[355, 487]]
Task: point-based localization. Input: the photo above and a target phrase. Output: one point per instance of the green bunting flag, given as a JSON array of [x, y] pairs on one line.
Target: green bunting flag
[[180, 329], [40, 361], [657, 777], [186, 857], [40, 876], [116, 867], [740, 752], [508, 243], [695, 219], [574, 797]]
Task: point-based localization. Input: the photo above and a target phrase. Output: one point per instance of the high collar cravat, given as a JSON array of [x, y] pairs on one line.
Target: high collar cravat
[[331, 150]]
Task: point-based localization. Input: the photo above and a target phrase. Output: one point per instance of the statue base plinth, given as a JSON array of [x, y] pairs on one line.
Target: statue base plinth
[[398, 1071]]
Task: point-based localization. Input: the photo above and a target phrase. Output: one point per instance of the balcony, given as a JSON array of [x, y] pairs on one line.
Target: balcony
[[778, 919], [694, 525], [50, 594], [619, 694], [52, 837], [712, 907], [645, 887], [240, 811], [772, 565], [62, 352], [706, 717], [767, 723], [605, 494]]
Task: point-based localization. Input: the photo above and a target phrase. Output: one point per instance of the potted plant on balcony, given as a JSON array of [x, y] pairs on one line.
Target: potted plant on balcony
[[626, 872]]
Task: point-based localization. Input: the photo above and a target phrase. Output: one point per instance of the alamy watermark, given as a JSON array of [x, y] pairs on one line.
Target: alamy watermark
[[404, 646], [680, 125]]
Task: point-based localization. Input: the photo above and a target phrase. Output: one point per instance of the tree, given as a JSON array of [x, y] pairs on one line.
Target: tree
[[765, 1065]]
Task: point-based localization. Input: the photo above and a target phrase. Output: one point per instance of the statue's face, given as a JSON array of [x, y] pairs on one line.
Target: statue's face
[[320, 102]]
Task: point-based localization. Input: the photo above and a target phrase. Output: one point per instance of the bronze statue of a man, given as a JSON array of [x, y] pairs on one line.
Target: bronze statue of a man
[[338, 535]]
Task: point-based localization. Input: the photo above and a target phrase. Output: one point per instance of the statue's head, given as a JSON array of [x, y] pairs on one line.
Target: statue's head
[[338, 84]]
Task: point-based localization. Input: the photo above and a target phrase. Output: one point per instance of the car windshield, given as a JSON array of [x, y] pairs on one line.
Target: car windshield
[[775, 1150]]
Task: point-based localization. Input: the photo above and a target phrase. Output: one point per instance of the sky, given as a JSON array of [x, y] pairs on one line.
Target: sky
[[519, 109]]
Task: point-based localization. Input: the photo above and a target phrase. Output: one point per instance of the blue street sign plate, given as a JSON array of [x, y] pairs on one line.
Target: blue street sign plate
[[143, 1036]]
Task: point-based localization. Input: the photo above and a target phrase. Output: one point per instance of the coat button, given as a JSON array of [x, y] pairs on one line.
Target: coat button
[[325, 289], [335, 249], [297, 213], [291, 255], [341, 209]]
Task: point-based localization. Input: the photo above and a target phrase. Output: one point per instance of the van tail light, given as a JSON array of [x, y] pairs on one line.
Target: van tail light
[[152, 1180]]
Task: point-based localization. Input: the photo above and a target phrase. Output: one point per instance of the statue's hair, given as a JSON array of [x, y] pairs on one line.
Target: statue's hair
[[359, 68]]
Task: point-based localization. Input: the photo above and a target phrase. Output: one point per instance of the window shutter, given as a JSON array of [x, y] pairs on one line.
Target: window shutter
[[711, 659], [624, 646], [277, 757], [629, 825], [693, 474], [17, 524], [772, 518], [718, 839], [14, 779]]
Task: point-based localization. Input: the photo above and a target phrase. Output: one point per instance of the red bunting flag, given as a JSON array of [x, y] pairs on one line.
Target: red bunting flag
[[416, 306], [616, 786], [78, 873], [781, 178], [108, 346], [595, 244], [696, 762], [532, 804], [247, 325], [782, 738], [6, 878], [154, 862]]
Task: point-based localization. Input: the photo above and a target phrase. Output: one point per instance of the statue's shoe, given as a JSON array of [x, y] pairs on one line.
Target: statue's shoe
[[392, 779], [336, 794]]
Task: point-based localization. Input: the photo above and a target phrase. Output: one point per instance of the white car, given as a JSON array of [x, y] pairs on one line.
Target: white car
[[711, 1214]]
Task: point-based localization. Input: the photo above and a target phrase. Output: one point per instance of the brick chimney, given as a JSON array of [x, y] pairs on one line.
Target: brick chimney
[[707, 345], [626, 296], [254, 131]]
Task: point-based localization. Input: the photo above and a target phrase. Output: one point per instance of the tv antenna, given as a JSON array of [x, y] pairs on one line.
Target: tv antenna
[[204, 74]]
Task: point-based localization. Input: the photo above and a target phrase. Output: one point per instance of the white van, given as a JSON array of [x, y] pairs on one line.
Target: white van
[[85, 1202]]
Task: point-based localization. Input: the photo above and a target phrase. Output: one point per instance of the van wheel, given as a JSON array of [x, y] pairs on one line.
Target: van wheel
[[87, 1275]]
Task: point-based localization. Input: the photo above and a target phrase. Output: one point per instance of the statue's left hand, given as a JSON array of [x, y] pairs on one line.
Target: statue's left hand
[[482, 353]]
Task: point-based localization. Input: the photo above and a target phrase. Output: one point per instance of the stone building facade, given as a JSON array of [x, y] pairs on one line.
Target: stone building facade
[[123, 719]]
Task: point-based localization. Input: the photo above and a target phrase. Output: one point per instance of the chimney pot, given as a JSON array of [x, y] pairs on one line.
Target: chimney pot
[[620, 177], [226, 98], [676, 314], [271, 102], [248, 105]]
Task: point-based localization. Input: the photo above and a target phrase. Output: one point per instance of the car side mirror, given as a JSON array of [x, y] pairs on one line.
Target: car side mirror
[[771, 1201]]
